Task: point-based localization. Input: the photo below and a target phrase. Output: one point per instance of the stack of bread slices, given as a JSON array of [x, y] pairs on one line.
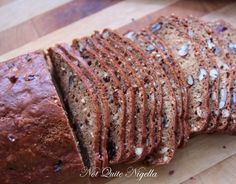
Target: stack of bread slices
[[133, 97]]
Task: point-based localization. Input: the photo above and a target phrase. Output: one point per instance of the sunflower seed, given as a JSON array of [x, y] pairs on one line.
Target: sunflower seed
[[233, 99], [156, 27], [183, 51], [232, 47], [223, 97], [190, 80], [202, 74], [105, 35], [225, 113], [131, 35], [138, 151], [213, 74], [150, 48], [210, 43]]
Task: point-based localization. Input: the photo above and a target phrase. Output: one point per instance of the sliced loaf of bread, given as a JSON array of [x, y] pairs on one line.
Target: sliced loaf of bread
[[151, 87], [195, 71], [165, 152], [81, 99], [116, 97], [227, 38], [194, 32], [140, 96], [152, 45]]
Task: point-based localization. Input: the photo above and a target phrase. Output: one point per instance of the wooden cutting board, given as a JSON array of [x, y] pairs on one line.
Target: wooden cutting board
[[206, 159]]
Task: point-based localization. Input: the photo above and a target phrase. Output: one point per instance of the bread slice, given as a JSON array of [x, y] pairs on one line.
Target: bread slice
[[136, 60], [146, 84], [226, 35], [195, 31], [36, 140], [153, 46], [218, 64], [115, 97], [128, 89], [101, 92], [173, 66], [165, 152], [195, 71], [83, 103]]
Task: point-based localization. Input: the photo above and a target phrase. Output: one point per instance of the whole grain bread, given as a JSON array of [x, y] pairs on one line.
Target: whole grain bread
[[83, 105], [226, 35], [195, 71], [212, 48], [115, 95], [129, 51], [126, 83], [195, 31], [102, 93], [37, 144], [165, 152], [154, 46], [141, 96]]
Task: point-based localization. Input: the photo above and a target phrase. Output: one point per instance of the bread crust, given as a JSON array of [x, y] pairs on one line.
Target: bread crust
[[35, 138]]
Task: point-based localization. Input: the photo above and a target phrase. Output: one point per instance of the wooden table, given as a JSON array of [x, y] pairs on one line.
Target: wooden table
[[26, 25]]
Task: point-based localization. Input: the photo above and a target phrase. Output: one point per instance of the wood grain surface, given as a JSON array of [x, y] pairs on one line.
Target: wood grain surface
[[28, 25]]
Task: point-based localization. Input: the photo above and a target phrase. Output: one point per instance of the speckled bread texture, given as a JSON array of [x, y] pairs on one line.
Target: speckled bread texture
[[36, 141], [83, 106], [115, 97], [165, 152], [227, 39], [102, 49], [195, 71], [153, 46], [211, 47], [141, 97], [173, 66], [194, 32], [101, 93], [136, 60]]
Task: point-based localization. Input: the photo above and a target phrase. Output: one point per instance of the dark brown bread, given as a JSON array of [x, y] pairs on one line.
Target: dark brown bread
[[195, 71], [129, 51], [165, 152], [36, 142], [226, 35], [115, 96], [153, 46], [127, 88], [140, 96], [83, 106], [101, 93]]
